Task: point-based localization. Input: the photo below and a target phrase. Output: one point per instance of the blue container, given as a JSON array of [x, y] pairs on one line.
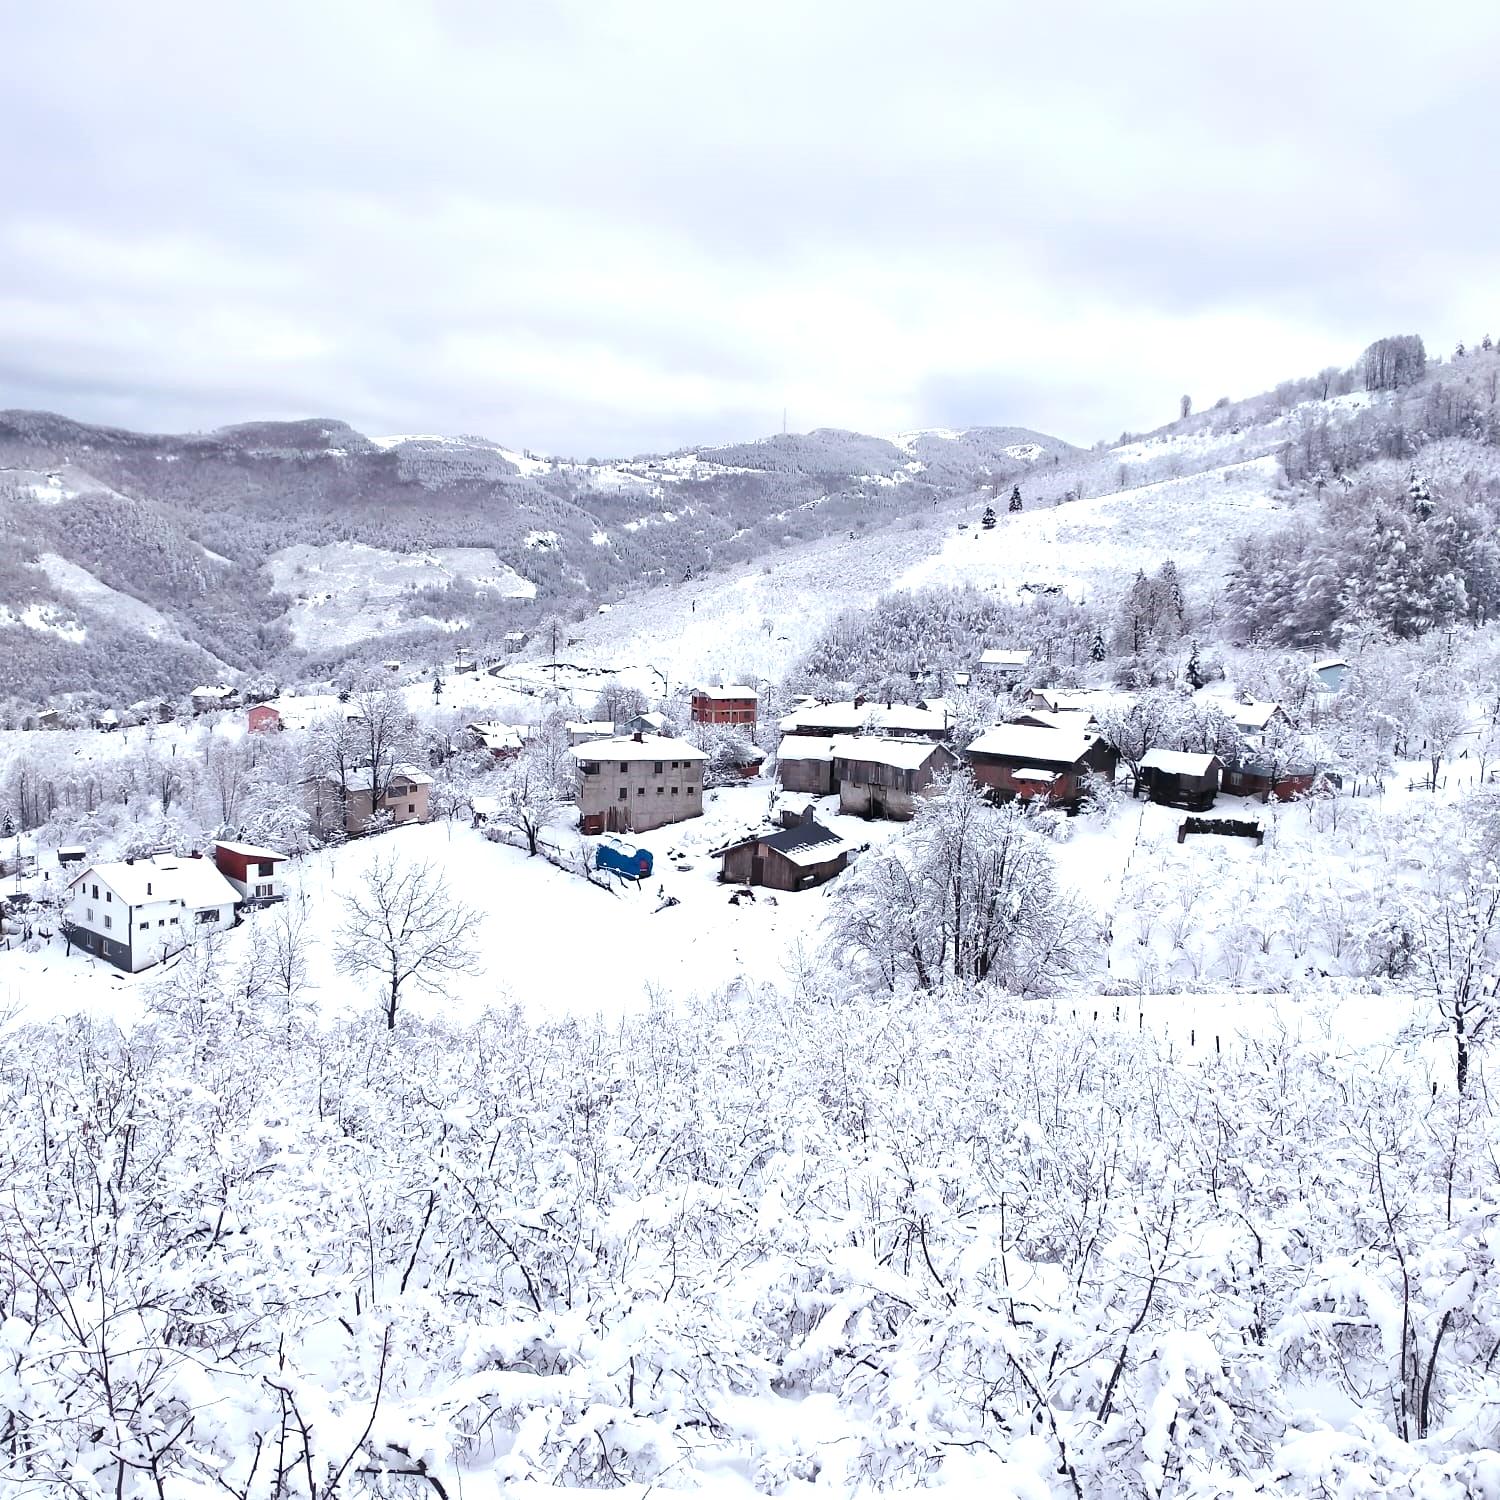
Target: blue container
[[623, 859]]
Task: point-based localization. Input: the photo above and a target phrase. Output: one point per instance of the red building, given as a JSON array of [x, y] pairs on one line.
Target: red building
[[725, 705], [251, 870], [263, 718]]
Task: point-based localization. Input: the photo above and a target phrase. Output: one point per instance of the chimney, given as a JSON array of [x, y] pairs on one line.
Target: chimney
[[639, 738]]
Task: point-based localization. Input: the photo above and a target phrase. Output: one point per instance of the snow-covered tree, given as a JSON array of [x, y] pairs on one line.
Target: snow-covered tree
[[402, 926]]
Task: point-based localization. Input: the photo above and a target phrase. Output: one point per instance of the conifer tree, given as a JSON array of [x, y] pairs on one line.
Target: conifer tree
[[1015, 499]]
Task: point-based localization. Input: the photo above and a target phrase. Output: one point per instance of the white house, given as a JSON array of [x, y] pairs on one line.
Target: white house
[[135, 912]]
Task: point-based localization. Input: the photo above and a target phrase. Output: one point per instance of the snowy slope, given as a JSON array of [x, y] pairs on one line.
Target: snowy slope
[[346, 592]]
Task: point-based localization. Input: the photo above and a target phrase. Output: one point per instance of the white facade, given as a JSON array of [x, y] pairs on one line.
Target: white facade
[[134, 913]]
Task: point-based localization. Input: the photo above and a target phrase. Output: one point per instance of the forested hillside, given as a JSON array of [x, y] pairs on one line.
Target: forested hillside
[[189, 527]]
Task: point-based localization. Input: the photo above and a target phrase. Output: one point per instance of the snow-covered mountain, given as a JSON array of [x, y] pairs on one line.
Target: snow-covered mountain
[[144, 562]]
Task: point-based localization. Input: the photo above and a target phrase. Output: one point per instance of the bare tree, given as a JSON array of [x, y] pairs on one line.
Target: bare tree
[[1186, 405], [529, 795], [1454, 936], [403, 925], [384, 733], [1442, 722], [287, 945]]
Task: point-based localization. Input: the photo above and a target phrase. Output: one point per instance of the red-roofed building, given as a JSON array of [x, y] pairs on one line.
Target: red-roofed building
[[262, 719]]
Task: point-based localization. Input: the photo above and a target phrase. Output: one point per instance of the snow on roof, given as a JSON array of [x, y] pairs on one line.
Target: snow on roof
[[604, 728], [250, 851], [362, 778], [499, 736], [1254, 715], [648, 747], [1034, 773], [1032, 744], [1178, 762], [1329, 661], [726, 690], [806, 844], [1047, 718], [900, 755], [197, 883], [805, 747], [996, 657], [849, 717], [211, 692]]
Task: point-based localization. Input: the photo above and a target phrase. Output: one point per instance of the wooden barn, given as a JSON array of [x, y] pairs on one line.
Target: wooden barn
[[1039, 761], [883, 778], [1180, 778], [805, 764], [262, 719], [786, 859], [1250, 777]]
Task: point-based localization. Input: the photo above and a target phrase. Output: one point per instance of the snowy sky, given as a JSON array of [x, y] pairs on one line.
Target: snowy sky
[[592, 227]]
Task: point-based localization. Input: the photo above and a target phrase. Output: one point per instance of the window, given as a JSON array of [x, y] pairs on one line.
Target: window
[[148, 887], [265, 890], [109, 921], [624, 765], [640, 791], [411, 807], [661, 791], [674, 791], [109, 895], [96, 893], [145, 927], [264, 868], [591, 768], [161, 921], [88, 914], [624, 793], [657, 768], [174, 921], [209, 914]]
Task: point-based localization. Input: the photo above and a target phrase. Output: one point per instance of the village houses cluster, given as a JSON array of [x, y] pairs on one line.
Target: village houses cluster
[[634, 776]]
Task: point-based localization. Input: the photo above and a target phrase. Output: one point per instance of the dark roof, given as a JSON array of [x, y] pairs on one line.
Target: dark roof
[[803, 836], [800, 837]]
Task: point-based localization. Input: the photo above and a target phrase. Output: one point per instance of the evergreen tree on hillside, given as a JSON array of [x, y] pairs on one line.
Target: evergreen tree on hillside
[[989, 518], [1015, 499], [1195, 675], [1419, 495], [1097, 650]]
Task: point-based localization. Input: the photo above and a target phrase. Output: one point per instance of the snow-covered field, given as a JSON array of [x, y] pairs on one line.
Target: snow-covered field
[[346, 592]]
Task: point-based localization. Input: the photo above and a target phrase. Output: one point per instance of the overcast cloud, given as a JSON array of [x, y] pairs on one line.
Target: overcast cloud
[[592, 228]]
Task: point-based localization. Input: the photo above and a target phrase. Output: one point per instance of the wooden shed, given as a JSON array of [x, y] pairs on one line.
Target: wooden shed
[[786, 859], [1256, 778], [1180, 778]]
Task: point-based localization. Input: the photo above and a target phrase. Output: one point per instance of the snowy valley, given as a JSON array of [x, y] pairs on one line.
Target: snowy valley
[[827, 965]]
